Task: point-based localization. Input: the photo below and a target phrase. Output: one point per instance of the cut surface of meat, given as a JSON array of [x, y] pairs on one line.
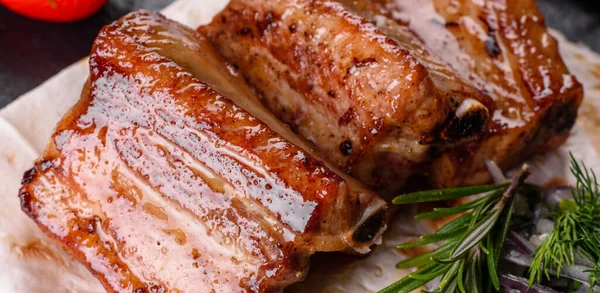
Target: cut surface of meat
[[157, 183], [364, 101], [498, 47]]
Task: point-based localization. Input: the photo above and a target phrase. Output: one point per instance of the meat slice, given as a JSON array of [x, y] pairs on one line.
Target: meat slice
[[157, 183], [501, 48], [365, 102]]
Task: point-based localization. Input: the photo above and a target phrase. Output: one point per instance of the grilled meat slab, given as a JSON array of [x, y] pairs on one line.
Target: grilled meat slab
[[157, 183], [498, 47], [365, 102]]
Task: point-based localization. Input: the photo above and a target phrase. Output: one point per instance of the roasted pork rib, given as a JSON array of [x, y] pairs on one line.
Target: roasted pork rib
[[159, 184], [368, 93], [365, 102], [501, 48]]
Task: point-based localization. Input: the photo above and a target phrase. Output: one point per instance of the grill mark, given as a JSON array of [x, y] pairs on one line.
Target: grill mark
[[347, 117]]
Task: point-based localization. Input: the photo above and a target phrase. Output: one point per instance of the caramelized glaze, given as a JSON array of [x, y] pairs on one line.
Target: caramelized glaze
[[159, 184], [363, 100], [500, 49]]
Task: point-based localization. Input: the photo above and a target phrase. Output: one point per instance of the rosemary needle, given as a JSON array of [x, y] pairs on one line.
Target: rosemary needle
[[467, 260], [576, 229], [469, 255]]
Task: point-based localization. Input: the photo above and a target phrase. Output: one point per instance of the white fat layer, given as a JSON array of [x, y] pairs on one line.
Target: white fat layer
[[31, 262]]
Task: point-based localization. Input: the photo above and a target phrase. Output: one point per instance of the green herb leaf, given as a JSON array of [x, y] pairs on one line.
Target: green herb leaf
[[445, 194], [574, 221], [469, 249], [444, 212], [424, 259], [442, 236], [409, 284], [474, 236]]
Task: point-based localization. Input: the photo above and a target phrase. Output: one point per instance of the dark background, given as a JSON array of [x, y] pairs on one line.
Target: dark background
[[32, 51]]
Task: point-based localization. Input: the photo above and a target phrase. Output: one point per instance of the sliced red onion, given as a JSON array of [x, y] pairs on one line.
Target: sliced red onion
[[518, 258], [520, 243], [512, 283], [574, 272], [554, 195], [578, 273], [585, 289]]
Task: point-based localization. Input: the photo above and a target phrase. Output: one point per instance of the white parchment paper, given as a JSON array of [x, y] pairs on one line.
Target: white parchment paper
[[30, 262]]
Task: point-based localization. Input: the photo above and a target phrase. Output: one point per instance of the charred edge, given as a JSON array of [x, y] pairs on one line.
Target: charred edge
[[152, 289], [562, 118], [364, 63], [91, 227], [157, 289], [270, 21], [293, 28], [469, 125], [347, 117], [491, 46], [356, 64], [245, 31], [28, 176], [346, 147], [369, 228], [26, 203], [491, 43], [453, 102]]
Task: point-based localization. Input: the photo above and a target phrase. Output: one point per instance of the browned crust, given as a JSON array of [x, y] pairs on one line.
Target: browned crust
[[130, 87]]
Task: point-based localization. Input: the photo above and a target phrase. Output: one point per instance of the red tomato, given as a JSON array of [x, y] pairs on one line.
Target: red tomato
[[55, 10]]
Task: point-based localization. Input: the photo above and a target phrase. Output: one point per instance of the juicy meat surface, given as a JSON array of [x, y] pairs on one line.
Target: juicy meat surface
[[365, 102], [498, 47], [157, 183]]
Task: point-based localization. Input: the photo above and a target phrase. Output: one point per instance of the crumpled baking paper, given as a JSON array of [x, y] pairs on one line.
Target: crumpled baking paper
[[31, 262]]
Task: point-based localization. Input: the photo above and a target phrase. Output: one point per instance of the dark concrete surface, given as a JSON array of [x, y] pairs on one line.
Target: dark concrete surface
[[32, 51]]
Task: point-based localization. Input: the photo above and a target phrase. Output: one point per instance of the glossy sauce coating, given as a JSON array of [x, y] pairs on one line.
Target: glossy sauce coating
[[159, 184], [499, 48], [341, 83]]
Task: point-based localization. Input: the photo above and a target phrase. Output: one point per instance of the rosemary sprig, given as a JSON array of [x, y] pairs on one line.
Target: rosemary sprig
[[576, 229], [592, 251], [468, 259]]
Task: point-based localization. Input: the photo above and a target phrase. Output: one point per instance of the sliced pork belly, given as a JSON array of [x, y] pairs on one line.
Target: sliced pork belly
[[157, 183], [366, 103], [501, 48]]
